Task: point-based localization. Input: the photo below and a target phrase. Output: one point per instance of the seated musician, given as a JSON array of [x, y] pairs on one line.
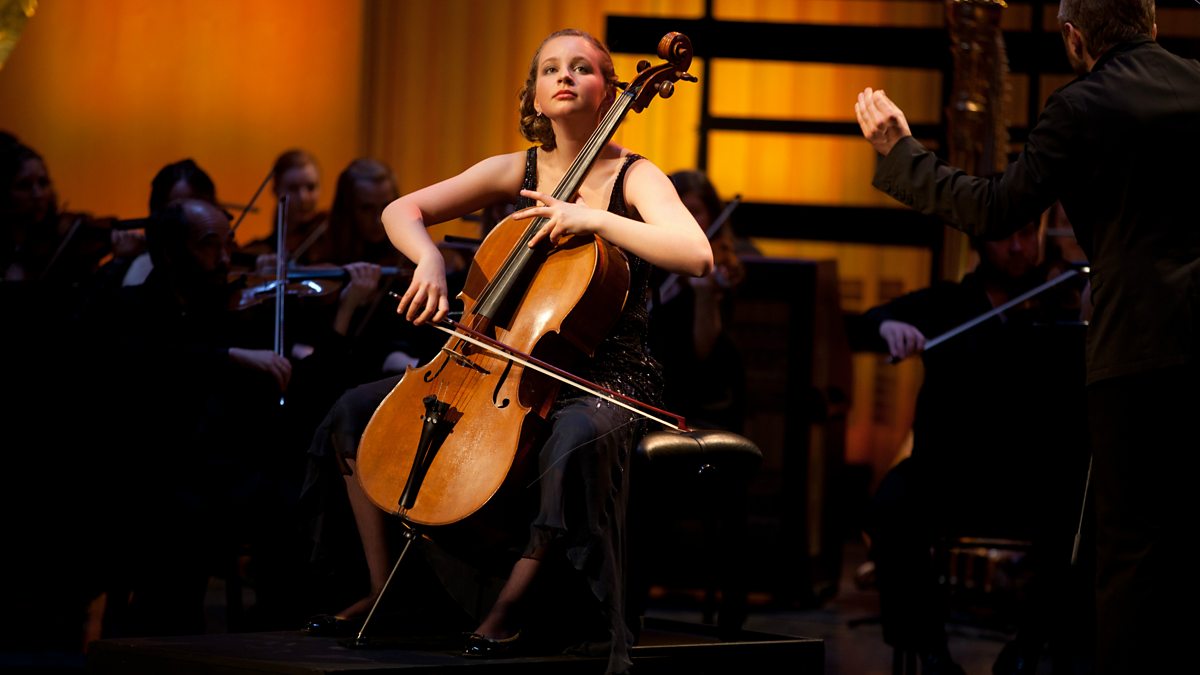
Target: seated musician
[[297, 175], [999, 446], [40, 243], [582, 465], [703, 379], [193, 400]]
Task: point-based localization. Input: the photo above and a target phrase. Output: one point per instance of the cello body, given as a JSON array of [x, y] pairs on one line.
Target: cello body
[[496, 406]]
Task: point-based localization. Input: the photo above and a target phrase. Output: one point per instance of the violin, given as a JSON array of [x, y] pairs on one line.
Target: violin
[[68, 246], [301, 282]]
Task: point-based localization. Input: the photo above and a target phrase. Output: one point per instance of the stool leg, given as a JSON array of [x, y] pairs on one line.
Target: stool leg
[[714, 568], [733, 584], [234, 611], [904, 661]]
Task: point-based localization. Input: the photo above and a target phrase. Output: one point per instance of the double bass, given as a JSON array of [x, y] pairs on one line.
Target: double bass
[[452, 432]]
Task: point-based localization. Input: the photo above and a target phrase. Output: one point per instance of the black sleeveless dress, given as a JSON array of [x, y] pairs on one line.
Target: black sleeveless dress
[[583, 466]]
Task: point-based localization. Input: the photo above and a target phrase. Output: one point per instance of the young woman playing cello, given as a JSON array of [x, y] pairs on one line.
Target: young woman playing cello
[[582, 466]]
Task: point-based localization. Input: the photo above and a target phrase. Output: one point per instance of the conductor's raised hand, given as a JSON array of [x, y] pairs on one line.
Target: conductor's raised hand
[[563, 219], [426, 298], [881, 120]]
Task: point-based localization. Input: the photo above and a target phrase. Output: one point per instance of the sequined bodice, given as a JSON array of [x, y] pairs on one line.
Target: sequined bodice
[[622, 361]]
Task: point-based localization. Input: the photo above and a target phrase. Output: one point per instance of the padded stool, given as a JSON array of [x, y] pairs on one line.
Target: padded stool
[[705, 473]]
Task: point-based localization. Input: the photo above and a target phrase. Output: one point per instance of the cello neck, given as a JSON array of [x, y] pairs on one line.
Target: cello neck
[[650, 82], [522, 258]]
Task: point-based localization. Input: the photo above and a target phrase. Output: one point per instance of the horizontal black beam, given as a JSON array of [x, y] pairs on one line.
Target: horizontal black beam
[[866, 45], [846, 224], [1016, 134], [891, 46], [824, 128]]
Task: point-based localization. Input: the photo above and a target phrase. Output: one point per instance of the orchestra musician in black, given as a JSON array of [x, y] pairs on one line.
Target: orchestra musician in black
[[999, 448]]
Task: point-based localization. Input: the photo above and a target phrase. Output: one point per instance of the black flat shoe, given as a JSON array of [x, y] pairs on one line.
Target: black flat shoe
[[481, 647], [328, 625]]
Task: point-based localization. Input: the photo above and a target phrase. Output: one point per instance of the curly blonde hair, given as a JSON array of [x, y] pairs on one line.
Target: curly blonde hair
[[535, 126]]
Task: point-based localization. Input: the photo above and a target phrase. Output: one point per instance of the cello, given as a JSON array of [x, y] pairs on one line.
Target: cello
[[450, 434]]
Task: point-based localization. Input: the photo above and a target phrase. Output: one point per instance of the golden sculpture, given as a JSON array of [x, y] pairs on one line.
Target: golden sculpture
[[13, 15], [977, 119]]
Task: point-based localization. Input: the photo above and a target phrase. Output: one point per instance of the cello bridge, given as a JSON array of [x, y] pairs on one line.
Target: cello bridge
[[465, 362]]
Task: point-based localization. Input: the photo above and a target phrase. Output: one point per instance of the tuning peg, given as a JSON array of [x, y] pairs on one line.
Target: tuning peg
[[622, 85], [642, 65], [665, 89], [687, 77]]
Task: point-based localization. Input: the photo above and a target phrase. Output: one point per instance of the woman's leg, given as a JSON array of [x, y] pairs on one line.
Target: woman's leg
[[371, 530], [336, 444], [504, 619]]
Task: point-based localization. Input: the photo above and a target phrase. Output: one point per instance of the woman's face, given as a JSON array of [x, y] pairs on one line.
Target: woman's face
[[570, 81], [302, 186], [32, 192]]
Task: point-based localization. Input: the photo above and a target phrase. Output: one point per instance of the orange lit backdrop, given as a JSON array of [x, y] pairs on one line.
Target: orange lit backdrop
[[110, 91]]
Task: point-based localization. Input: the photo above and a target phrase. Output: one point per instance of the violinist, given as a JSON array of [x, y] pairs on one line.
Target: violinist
[[383, 345], [582, 465], [998, 448], [130, 262], [194, 397], [40, 273], [297, 175], [39, 243], [702, 371]]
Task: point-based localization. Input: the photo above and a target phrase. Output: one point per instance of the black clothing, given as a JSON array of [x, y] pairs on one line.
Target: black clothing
[[999, 450], [709, 392], [1117, 147], [1144, 448], [193, 480]]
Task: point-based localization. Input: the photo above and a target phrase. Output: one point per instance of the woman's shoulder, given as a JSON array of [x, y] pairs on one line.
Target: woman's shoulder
[[639, 169], [508, 166], [506, 160], [498, 173]]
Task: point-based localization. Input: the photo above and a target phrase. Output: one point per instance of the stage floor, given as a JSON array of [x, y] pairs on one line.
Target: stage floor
[[667, 647]]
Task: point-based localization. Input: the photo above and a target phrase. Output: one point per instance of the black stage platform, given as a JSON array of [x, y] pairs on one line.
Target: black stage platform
[[667, 647]]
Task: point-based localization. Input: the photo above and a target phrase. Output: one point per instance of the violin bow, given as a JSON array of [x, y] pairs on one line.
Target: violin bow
[[250, 204], [664, 288], [280, 274], [963, 327], [316, 234]]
